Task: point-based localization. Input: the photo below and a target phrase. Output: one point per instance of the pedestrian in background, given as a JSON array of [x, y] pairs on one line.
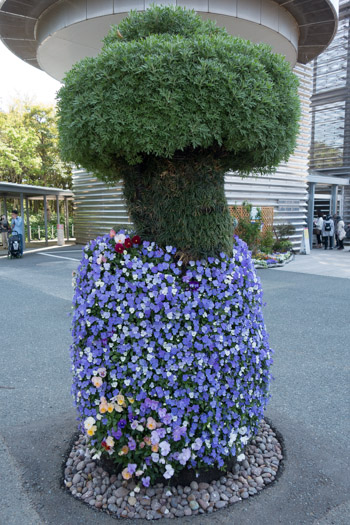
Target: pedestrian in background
[[4, 228], [328, 232], [347, 232], [336, 219], [341, 233], [318, 229], [17, 226]]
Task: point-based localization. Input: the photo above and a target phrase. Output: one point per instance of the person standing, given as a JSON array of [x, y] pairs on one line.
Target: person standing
[[4, 228], [17, 226], [318, 229], [341, 233], [328, 232], [336, 219]]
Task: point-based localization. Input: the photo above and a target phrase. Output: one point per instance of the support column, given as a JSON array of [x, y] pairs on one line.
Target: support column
[[22, 206], [58, 209], [66, 212], [45, 219], [22, 215], [5, 206], [334, 198], [310, 210], [28, 222]]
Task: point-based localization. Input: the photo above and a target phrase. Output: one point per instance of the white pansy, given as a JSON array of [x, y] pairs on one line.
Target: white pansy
[[119, 238]]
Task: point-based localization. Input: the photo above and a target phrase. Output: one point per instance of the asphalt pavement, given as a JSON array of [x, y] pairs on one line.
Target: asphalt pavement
[[308, 319]]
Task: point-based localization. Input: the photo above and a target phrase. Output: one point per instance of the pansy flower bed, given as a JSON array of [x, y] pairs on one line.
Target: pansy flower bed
[[263, 260], [171, 363]]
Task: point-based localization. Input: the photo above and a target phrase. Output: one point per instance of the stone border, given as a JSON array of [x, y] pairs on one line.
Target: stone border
[[86, 481]]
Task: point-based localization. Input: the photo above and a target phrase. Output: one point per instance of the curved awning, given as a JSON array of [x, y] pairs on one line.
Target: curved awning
[[316, 20], [10, 189]]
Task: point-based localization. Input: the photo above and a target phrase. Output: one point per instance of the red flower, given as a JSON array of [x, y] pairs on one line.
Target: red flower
[[127, 243], [104, 445], [119, 248], [136, 240]]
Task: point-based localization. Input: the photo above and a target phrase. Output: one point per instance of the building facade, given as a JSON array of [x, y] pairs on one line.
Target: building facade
[[330, 145], [53, 35]]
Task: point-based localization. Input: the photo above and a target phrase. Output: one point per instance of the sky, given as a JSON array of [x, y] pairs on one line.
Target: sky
[[19, 80]]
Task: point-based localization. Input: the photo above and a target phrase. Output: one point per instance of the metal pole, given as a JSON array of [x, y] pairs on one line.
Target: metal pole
[[22, 207], [67, 217], [22, 215], [58, 209], [28, 222], [45, 219], [334, 198], [5, 207], [310, 210]]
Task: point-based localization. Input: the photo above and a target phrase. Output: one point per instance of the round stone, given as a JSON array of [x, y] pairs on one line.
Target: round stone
[[76, 479], [220, 504], [194, 505]]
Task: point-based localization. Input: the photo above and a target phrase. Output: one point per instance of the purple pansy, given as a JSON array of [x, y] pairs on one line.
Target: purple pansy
[[184, 367]]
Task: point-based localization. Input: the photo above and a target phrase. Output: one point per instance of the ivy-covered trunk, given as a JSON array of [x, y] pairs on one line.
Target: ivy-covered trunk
[[181, 202]]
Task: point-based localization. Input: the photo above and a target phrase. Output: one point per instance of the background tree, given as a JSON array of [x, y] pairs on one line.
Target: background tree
[[29, 150], [170, 104], [18, 158]]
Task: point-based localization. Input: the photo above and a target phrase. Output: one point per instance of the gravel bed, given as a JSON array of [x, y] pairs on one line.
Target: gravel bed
[[123, 499]]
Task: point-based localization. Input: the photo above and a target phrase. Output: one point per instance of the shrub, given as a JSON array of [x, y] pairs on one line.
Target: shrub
[[251, 232], [247, 230], [282, 233], [171, 364], [170, 104], [266, 242]]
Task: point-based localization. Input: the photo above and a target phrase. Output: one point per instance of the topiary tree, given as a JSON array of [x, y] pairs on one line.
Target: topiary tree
[[171, 359], [170, 104]]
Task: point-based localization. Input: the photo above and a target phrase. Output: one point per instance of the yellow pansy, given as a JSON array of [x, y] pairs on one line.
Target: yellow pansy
[[126, 474], [121, 400], [91, 431]]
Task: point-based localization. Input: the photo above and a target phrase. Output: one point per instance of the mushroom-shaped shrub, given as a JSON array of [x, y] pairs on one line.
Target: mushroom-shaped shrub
[[170, 353], [169, 105]]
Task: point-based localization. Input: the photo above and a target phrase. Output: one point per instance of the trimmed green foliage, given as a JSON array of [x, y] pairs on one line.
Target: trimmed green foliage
[[283, 232], [181, 202], [167, 83]]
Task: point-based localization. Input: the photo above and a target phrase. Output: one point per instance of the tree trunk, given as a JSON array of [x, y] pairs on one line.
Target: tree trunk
[[181, 202]]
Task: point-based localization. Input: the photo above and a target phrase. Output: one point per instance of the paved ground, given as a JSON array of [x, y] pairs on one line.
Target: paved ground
[[330, 263], [308, 320]]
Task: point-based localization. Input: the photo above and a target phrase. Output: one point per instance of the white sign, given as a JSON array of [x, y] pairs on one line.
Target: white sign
[[305, 242], [254, 214], [60, 235]]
